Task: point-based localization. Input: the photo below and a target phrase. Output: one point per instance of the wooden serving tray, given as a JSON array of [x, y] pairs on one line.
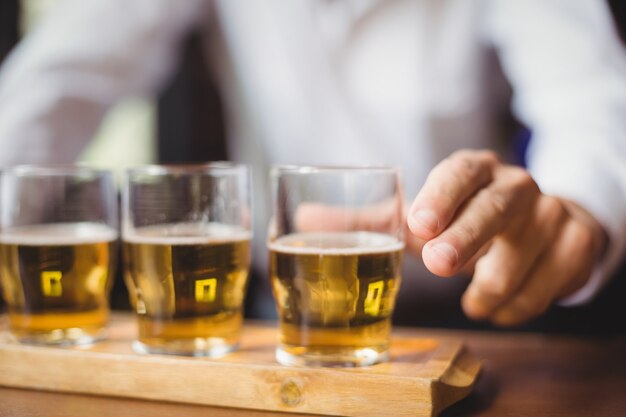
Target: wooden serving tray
[[423, 377]]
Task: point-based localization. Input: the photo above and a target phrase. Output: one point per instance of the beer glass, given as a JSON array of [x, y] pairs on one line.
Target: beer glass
[[336, 246], [57, 252], [186, 237]]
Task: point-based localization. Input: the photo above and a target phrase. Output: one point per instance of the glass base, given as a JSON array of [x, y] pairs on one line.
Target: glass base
[[198, 347], [73, 336], [343, 358]]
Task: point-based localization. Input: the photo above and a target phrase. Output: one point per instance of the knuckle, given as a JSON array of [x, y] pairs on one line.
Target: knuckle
[[551, 209], [489, 157], [522, 181], [581, 239], [495, 202], [498, 204], [462, 154], [474, 158], [461, 168]]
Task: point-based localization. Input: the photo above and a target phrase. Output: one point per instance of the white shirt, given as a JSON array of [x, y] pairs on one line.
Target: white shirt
[[395, 82]]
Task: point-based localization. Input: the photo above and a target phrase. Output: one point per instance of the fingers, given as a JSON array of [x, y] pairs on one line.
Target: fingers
[[500, 273], [468, 268], [485, 215], [564, 268], [447, 187], [536, 250]]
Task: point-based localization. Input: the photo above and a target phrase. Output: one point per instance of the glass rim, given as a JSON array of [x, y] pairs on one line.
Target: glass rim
[[318, 169], [178, 169], [43, 170]]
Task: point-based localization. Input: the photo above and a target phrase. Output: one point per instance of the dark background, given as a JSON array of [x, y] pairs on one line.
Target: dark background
[[190, 128]]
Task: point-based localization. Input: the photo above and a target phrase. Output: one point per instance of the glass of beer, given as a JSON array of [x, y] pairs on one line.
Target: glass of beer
[[57, 252], [186, 235], [336, 246]]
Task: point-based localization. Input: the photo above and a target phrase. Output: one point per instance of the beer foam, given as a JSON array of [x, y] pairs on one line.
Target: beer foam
[[187, 234], [58, 234], [336, 243]]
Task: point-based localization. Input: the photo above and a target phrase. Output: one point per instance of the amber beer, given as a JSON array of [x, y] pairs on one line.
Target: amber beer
[[188, 290], [335, 294], [56, 279]]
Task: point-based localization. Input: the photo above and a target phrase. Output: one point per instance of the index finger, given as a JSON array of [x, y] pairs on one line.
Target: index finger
[[447, 187]]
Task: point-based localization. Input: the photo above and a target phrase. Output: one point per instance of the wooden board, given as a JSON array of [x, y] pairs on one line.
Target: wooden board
[[423, 377]]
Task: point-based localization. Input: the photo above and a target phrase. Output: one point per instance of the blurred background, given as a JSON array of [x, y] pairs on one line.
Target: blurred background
[[189, 109], [133, 118]]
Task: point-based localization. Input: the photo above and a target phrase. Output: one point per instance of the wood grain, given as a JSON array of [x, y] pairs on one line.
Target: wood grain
[[425, 375], [525, 374]]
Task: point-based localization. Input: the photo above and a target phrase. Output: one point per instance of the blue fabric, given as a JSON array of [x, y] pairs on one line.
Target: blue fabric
[[521, 140]]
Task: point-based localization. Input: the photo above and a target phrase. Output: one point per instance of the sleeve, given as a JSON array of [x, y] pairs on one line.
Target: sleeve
[[56, 86], [567, 67]]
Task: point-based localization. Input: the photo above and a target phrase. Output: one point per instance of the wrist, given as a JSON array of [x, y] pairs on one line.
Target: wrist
[[600, 237]]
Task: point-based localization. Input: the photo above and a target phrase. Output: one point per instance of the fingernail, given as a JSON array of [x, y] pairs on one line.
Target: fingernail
[[427, 219], [446, 252]]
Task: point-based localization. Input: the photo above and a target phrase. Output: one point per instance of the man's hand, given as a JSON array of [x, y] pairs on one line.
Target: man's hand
[[526, 249]]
